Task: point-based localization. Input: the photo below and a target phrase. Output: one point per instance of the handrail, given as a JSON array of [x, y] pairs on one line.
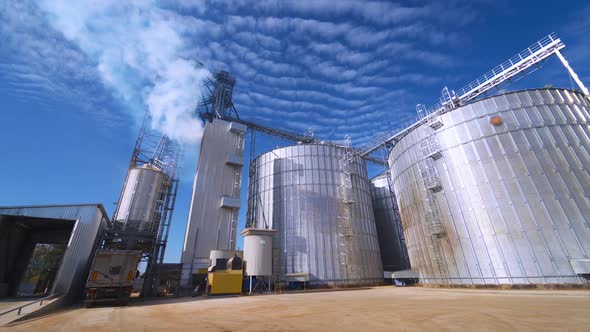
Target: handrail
[[532, 55], [545, 41], [517, 64], [20, 308]]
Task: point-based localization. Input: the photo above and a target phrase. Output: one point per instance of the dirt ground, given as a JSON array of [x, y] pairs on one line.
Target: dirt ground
[[374, 309]]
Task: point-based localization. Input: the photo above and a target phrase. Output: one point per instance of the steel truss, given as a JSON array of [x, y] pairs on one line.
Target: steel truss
[[510, 70], [155, 149], [218, 103]]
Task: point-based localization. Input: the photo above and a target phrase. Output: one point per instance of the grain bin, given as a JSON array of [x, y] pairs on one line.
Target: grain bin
[[317, 197], [496, 192]]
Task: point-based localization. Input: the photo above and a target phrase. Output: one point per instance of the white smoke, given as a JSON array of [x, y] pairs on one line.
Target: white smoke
[[137, 47]]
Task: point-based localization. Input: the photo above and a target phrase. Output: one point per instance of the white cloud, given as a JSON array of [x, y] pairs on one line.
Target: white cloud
[[379, 12], [362, 36], [258, 40], [40, 64], [341, 53], [296, 25], [191, 5], [261, 63], [334, 72], [137, 47], [295, 58]]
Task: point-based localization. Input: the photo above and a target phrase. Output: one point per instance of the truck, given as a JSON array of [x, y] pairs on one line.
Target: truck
[[111, 277]]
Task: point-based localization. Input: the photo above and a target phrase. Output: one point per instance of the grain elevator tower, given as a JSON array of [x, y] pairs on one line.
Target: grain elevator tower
[[213, 217]]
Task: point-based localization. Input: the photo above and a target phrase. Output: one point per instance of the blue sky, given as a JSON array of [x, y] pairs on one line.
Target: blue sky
[[75, 78]]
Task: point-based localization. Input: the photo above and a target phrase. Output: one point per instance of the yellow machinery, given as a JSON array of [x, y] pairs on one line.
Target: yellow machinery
[[225, 282], [228, 280]]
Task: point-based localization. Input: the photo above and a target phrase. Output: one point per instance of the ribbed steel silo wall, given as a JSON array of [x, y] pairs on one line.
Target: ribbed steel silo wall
[[301, 191], [508, 203], [140, 196], [394, 254]]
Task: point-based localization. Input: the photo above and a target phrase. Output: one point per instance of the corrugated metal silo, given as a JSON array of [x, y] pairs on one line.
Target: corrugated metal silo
[[138, 202], [318, 199], [497, 191], [392, 245]]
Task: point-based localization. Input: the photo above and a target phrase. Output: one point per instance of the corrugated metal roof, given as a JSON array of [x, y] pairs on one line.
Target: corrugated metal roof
[[47, 211]]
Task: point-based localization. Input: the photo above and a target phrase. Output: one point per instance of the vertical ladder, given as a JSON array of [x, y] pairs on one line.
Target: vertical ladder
[[432, 184], [233, 222], [345, 229], [233, 229]]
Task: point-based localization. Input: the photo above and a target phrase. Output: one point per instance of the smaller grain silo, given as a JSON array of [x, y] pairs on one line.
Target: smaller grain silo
[[392, 244], [258, 257], [137, 206]]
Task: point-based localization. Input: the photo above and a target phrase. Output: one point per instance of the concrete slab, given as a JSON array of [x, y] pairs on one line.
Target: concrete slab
[[374, 309], [33, 306]]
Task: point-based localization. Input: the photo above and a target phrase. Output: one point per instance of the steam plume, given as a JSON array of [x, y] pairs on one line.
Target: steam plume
[[137, 47]]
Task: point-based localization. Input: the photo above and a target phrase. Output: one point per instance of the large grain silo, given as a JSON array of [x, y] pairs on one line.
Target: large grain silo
[[392, 245], [318, 199], [498, 191]]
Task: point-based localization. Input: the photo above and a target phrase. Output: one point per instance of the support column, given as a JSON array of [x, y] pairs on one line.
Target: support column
[[573, 73]]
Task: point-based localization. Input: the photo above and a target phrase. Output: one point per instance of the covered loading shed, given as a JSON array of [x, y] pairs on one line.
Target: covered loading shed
[[76, 227]]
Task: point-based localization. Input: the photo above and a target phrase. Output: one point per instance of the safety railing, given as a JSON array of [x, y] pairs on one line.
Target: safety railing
[[20, 308], [539, 45], [519, 63]]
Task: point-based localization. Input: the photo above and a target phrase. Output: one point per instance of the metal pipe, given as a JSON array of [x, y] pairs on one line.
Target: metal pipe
[[573, 74]]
